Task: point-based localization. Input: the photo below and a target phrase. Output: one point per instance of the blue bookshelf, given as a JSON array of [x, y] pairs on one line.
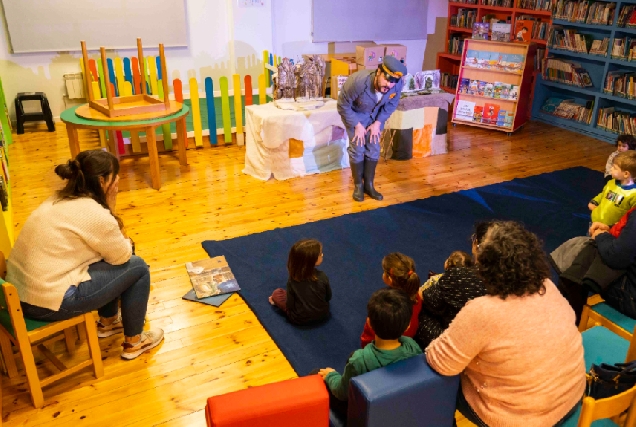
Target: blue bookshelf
[[597, 67]]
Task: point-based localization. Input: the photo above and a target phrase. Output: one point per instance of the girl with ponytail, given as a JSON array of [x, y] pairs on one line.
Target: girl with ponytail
[[72, 257], [399, 273]]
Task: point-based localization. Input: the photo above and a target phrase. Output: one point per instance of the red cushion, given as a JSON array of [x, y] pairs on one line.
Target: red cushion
[[297, 402]]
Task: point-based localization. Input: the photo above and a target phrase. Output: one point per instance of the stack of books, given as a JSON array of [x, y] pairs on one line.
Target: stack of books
[[600, 13], [624, 49], [568, 109], [569, 39], [568, 72], [600, 47], [627, 16], [536, 4]]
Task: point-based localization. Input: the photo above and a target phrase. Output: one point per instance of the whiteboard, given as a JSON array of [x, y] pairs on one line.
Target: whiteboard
[[359, 20], [60, 25]]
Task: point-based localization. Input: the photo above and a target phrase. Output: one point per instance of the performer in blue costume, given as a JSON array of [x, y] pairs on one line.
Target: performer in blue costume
[[365, 102]]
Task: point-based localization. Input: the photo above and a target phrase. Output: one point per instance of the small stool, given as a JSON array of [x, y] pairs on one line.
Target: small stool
[[45, 114]]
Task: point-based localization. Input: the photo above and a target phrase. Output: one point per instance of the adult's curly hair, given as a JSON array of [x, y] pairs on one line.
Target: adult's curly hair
[[511, 261]]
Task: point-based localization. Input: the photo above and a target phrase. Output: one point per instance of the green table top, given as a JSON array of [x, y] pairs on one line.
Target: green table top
[[69, 116]]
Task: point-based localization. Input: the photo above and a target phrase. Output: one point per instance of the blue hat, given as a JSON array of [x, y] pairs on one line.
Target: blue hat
[[393, 67]]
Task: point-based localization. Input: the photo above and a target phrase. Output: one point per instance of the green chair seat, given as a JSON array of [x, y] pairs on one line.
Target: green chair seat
[[600, 345], [615, 316], [5, 319]]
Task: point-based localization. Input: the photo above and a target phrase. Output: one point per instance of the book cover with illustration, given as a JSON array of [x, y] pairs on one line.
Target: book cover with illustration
[[497, 90], [464, 110], [471, 58], [472, 87], [500, 32], [505, 91], [510, 117], [514, 92], [479, 111], [463, 86], [211, 276], [489, 90], [501, 117], [491, 111], [481, 87], [480, 30], [523, 30], [513, 62]]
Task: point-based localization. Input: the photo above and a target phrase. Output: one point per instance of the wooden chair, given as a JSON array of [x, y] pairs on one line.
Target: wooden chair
[[25, 333], [601, 314], [601, 345], [603, 409]]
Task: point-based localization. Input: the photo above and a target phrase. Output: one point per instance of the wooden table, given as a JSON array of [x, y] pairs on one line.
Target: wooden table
[[74, 122]]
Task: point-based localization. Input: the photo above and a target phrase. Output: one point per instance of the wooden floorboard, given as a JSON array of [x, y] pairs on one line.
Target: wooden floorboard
[[208, 350]]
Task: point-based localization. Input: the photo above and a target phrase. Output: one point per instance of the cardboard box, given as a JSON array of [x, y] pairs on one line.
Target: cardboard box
[[396, 50], [369, 54]]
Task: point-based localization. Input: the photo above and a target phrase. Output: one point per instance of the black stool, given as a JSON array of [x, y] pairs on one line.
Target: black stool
[[45, 114]]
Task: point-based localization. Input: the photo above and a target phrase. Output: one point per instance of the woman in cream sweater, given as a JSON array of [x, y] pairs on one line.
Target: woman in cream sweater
[[72, 257], [517, 349]]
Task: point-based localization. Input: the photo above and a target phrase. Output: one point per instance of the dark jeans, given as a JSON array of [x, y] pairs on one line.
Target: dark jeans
[[464, 407], [129, 282], [620, 296]]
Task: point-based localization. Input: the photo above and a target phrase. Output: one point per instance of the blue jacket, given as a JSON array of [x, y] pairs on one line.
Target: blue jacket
[[357, 102], [619, 252]]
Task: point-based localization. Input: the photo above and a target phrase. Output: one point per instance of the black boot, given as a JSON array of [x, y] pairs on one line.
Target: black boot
[[356, 173], [369, 175]]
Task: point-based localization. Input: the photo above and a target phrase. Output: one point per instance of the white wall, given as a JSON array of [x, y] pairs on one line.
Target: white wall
[[291, 32]]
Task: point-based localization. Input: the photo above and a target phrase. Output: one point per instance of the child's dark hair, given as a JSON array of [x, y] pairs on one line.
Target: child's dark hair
[[389, 312], [481, 228], [303, 256], [459, 259], [401, 269], [628, 140]]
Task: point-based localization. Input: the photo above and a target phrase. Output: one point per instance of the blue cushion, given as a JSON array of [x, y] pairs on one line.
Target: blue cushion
[[615, 316], [573, 421], [603, 346], [406, 393]]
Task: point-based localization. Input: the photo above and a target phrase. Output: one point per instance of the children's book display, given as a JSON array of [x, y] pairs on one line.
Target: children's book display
[[480, 30], [494, 76], [500, 32], [423, 81], [211, 276], [523, 30]]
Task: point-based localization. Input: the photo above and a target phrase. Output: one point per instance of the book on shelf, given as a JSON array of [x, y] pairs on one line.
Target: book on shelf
[[489, 90], [500, 32], [481, 88], [501, 118], [523, 30], [498, 3], [538, 59], [491, 111], [463, 86], [211, 276], [569, 109], [510, 118], [4, 195], [466, 1], [465, 18], [600, 47], [479, 111], [620, 83], [627, 16], [569, 39], [449, 80], [624, 49], [464, 110], [600, 13], [492, 60], [456, 44], [480, 30], [620, 122], [583, 11], [545, 5], [564, 71]]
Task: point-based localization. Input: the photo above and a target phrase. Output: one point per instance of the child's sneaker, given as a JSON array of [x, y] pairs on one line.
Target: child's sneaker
[[114, 328], [149, 339]]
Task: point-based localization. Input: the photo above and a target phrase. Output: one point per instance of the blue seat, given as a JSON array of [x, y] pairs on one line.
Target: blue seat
[[603, 346], [602, 314], [573, 421], [407, 393]]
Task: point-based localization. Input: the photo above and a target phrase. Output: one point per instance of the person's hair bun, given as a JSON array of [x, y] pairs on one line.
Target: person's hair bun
[[68, 171]]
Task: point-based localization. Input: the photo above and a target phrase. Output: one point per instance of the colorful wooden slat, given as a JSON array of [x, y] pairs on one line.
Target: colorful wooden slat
[[262, 94], [92, 65], [119, 138], [225, 110], [209, 99], [102, 81], [96, 90], [102, 136], [238, 109], [270, 73], [152, 71], [128, 72], [196, 112], [126, 89], [134, 141], [177, 87], [111, 74], [165, 128], [265, 70], [119, 75], [158, 65], [136, 75], [248, 90]]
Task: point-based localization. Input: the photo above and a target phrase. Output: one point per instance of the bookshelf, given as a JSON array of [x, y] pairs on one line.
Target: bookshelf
[[494, 80], [596, 101], [448, 62], [6, 219]]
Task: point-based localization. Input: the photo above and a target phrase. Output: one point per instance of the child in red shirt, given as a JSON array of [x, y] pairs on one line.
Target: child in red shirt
[[399, 273]]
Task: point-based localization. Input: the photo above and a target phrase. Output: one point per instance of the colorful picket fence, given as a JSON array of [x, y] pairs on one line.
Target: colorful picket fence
[[208, 116]]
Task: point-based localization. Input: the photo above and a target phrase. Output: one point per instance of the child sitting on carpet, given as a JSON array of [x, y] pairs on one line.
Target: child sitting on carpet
[[308, 292], [389, 312], [399, 273], [623, 143], [455, 259], [619, 194]]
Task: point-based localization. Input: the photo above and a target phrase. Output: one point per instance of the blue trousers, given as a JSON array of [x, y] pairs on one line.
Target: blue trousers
[[129, 282], [357, 153]]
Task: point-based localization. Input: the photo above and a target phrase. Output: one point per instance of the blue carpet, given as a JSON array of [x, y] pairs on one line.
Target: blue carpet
[[553, 205]]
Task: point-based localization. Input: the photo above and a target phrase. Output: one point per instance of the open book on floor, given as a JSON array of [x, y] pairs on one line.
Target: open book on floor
[[211, 277], [215, 300]]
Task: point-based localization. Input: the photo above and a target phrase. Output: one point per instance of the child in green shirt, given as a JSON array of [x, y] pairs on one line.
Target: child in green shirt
[[389, 312], [619, 194]]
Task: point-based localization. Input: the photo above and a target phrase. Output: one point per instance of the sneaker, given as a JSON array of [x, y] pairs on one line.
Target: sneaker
[[114, 328], [149, 339]]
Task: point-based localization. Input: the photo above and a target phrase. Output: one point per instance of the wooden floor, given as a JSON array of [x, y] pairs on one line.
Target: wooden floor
[[207, 350]]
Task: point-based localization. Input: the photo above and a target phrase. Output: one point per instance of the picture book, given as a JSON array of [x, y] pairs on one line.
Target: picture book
[[489, 90], [215, 300], [513, 62], [431, 79], [471, 58], [480, 30], [409, 83], [483, 59], [501, 117], [464, 110], [481, 87], [463, 86], [491, 111], [514, 92], [497, 90], [500, 32], [505, 91], [510, 117], [211, 276], [523, 30], [473, 87], [479, 111]]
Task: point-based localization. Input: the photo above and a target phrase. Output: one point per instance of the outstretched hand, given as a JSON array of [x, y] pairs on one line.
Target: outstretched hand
[[323, 372]]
